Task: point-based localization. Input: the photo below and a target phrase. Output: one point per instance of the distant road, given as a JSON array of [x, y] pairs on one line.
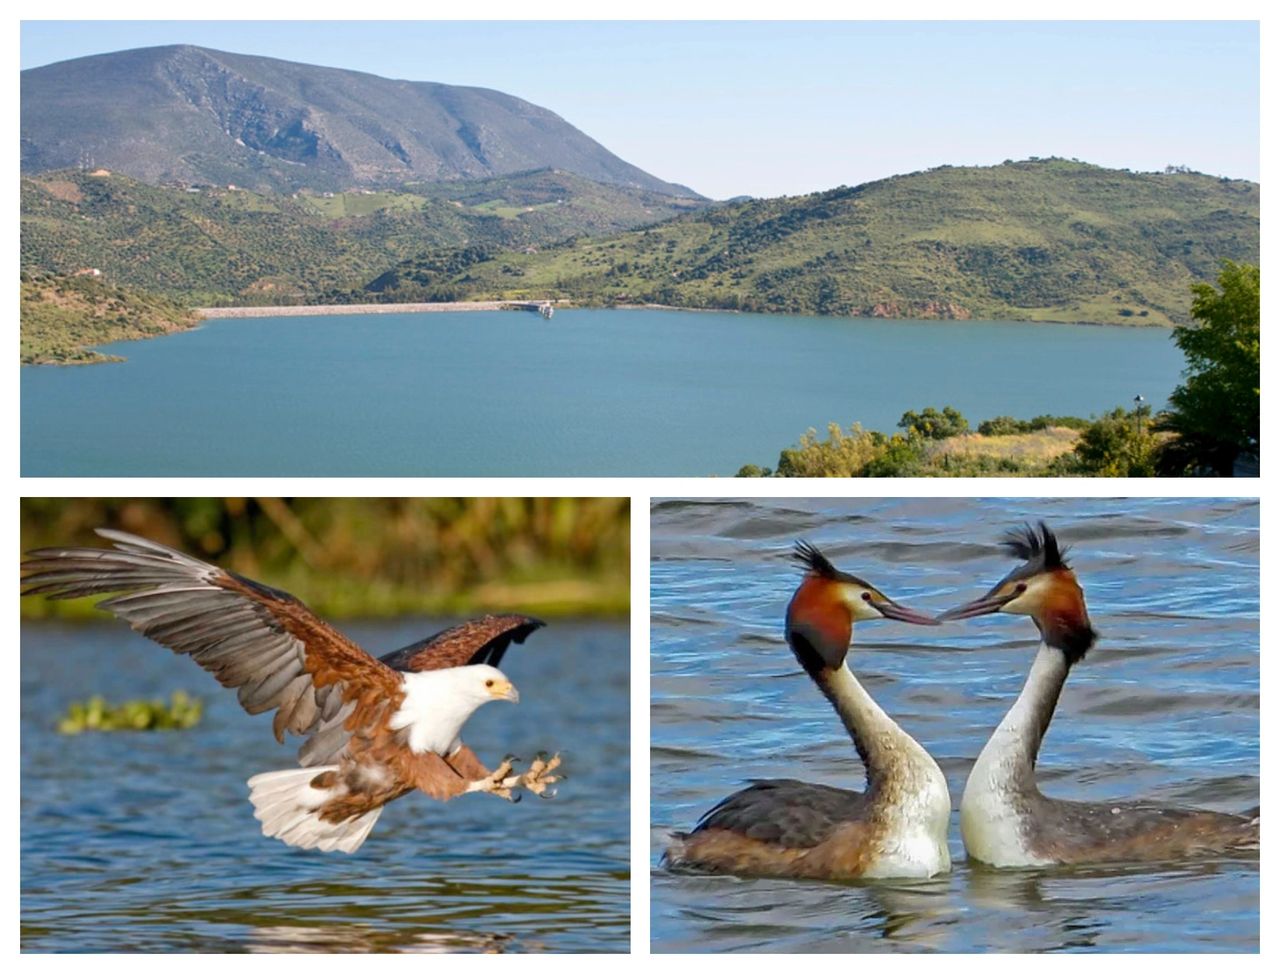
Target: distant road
[[283, 311]]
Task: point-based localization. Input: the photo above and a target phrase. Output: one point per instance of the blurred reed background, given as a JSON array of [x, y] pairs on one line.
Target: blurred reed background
[[375, 556]]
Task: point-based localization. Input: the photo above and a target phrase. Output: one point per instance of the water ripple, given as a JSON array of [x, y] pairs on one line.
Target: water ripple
[[146, 842]]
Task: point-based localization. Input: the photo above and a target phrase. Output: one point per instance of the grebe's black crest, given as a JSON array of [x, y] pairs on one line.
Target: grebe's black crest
[[1041, 551], [1071, 633], [815, 561]]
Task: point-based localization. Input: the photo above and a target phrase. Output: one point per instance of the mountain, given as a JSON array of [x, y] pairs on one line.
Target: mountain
[[218, 245], [184, 114], [1041, 239]]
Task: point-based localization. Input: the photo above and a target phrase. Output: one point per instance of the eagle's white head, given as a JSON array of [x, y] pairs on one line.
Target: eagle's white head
[[438, 702], [483, 683]]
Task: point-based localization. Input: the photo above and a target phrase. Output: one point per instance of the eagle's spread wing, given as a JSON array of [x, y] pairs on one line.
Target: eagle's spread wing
[[482, 640], [259, 640]]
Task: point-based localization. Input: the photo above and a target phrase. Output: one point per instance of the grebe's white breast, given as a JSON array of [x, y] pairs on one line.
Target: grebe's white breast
[[916, 844]]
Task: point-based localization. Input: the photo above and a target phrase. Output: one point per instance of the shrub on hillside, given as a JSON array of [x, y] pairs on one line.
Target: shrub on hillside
[[841, 454], [1120, 444]]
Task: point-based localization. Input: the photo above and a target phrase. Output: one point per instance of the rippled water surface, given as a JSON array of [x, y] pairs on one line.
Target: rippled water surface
[[590, 392], [147, 841], [1165, 707]]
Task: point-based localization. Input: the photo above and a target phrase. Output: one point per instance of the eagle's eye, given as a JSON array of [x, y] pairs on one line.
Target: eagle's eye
[[488, 683]]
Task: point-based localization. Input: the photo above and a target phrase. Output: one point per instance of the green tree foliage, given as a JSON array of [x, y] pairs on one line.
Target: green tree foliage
[[934, 425], [1215, 413], [1008, 426]]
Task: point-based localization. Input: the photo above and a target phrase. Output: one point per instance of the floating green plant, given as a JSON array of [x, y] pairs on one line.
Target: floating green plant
[[96, 714]]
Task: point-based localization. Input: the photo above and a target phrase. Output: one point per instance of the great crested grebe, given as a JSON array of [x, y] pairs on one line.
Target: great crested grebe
[[1004, 819], [377, 729], [897, 827]]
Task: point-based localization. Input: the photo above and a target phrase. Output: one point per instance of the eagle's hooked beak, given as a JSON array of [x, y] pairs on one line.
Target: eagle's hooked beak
[[504, 690]]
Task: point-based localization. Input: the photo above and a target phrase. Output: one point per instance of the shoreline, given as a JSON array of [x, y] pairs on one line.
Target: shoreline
[[303, 310], [298, 310]]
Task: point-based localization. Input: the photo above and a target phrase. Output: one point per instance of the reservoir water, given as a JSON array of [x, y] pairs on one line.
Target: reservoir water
[[589, 392], [147, 841], [1165, 707]]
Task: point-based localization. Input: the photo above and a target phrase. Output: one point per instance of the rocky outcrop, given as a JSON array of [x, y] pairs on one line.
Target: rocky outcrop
[[942, 310]]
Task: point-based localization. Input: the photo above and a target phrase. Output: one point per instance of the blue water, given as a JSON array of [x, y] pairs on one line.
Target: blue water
[[606, 393], [147, 841], [1165, 708]]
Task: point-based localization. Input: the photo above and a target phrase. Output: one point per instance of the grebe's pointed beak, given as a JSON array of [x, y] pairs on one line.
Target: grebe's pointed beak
[[989, 603], [892, 610]]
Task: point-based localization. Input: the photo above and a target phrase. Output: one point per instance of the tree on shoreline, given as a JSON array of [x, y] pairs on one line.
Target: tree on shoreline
[[1215, 413]]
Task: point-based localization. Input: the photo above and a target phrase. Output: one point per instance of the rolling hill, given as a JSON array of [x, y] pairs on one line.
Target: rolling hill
[[215, 245], [64, 317], [1041, 239]]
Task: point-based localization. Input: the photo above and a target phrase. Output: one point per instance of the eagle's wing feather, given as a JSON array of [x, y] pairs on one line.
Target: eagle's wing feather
[[261, 641], [482, 640]]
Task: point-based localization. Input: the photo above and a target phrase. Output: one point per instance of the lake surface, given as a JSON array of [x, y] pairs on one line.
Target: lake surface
[[1165, 707], [604, 393], [147, 841]]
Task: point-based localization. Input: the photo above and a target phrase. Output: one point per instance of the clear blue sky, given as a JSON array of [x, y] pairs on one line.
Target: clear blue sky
[[772, 108]]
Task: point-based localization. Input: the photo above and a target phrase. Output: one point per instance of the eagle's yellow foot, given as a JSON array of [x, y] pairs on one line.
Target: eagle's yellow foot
[[500, 781], [539, 777]]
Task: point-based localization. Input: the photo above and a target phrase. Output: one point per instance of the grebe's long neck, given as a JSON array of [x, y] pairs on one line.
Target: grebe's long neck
[[909, 806], [1008, 760], [893, 759]]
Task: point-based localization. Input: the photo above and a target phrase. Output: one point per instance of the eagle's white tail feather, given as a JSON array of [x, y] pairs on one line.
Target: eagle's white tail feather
[[286, 805]]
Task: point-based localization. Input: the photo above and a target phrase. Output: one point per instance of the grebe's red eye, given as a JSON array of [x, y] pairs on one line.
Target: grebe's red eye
[[1020, 587]]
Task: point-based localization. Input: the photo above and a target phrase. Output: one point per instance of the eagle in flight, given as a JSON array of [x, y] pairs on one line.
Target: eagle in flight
[[376, 729]]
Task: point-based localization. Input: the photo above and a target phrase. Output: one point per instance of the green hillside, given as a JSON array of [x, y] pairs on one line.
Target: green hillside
[[61, 317], [216, 245], [1050, 239]]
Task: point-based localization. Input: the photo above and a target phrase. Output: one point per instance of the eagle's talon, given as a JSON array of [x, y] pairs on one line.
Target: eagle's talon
[[538, 777], [500, 781]]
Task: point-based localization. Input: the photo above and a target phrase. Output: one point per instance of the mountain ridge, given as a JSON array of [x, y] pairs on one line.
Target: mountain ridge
[[182, 113]]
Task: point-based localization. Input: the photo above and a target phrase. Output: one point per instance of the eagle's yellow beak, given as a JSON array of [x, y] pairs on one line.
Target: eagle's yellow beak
[[504, 690]]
